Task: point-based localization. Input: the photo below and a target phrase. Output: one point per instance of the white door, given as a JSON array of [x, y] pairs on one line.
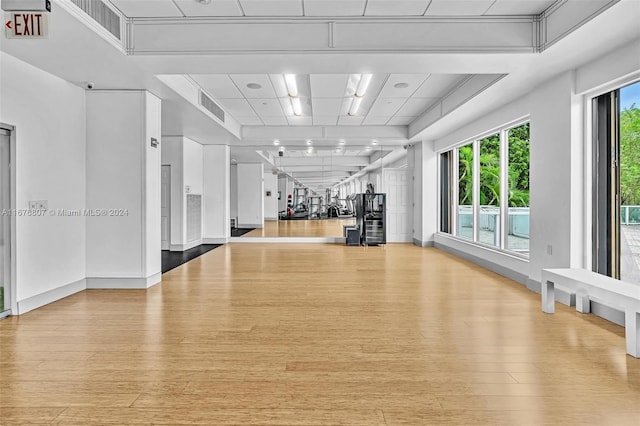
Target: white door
[[166, 207], [395, 183], [5, 222]]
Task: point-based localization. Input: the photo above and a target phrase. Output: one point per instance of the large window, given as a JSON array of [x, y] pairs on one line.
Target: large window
[[492, 189]]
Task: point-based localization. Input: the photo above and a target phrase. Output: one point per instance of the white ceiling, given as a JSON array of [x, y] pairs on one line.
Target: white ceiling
[[326, 98], [326, 8]]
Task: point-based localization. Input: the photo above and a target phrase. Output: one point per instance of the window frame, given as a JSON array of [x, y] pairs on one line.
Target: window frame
[[503, 132]]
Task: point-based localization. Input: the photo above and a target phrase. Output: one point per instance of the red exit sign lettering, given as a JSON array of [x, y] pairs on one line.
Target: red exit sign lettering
[[26, 25]]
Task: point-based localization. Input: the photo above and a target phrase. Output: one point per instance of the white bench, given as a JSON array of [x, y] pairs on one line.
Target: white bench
[[588, 285]]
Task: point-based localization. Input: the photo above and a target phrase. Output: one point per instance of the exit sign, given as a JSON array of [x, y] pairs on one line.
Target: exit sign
[[26, 25]]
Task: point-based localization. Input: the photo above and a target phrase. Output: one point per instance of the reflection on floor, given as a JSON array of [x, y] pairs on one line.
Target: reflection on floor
[[173, 259], [302, 228]]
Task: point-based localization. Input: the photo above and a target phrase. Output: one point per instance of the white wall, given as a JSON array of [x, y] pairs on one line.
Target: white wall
[[185, 156], [217, 194], [49, 115], [250, 195], [172, 156], [123, 172], [271, 202]]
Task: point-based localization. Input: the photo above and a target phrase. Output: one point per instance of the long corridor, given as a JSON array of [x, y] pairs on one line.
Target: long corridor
[[316, 334]]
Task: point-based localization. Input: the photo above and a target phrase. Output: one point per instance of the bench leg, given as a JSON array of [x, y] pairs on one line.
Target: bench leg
[[548, 297], [632, 332], [582, 302]]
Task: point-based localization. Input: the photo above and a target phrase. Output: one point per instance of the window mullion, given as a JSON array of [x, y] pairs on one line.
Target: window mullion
[[504, 188], [476, 191]]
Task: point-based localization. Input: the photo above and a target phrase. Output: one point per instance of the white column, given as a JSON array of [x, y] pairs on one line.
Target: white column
[[250, 195], [217, 194], [123, 189], [425, 192]]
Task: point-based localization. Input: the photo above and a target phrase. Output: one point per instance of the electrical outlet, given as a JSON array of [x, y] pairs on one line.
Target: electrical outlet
[[38, 205], [549, 249]]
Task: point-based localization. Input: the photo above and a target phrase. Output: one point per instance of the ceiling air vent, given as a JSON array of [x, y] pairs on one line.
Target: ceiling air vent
[[102, 14], [211, 106]]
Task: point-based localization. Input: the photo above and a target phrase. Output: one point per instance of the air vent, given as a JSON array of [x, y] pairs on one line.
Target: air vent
[[102, 14], [211, 106]]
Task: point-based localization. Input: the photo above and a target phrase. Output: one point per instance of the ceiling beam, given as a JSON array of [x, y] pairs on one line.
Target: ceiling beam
[[255, 35]]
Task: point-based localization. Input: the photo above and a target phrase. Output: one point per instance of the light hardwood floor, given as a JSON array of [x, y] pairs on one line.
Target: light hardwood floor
[[302, 228], [316, 334]]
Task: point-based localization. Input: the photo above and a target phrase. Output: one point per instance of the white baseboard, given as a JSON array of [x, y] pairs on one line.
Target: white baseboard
[[250, 225], [123, 283], [215, 240], [185, 247], [50, 296]]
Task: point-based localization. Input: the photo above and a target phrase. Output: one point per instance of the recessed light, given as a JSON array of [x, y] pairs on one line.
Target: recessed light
[[342, 142], [401, 85], [309, 142], [374, 142], [254, 86], [276, 142], [203, 1]]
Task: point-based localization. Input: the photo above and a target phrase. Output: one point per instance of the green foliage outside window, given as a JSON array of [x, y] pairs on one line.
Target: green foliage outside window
[[490, 169], [630, 156]]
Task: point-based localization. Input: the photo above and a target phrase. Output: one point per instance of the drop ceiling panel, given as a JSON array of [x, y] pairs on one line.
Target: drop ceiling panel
[[218, 86], [400, 121], [334, 7], [250, 121], [215, 8], [274, 121], [416, 106], [413, 81], [347, 120], [458, 7], [237, 107], [521, 7], [396, 7], [326, 106], [147, 8], [328, 85], [386, 106], [438, 85], [324, 120], [299, 120], [266, 107], [264, 92], [375, 121], [272, 7]]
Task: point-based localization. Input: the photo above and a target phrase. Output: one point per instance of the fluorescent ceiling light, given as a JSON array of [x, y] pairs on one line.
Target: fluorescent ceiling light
[[292, 86], [276, 142], [297, 106], [355, 105], [363, 85]]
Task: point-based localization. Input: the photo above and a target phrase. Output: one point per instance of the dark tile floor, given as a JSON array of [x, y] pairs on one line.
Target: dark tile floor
[[173, 259]]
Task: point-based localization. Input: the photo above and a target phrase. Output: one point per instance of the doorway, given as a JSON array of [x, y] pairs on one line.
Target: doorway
[[5, 221], [399, 206]]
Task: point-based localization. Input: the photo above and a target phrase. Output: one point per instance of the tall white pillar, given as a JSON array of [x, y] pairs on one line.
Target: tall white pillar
[[217, 194], [123, 189], [425, 192]]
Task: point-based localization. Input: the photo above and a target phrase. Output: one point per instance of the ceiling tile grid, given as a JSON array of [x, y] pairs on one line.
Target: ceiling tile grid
[[326, 99], [328, 8]]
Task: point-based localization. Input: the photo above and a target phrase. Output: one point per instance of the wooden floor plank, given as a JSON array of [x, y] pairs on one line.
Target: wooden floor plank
[[316, 334]]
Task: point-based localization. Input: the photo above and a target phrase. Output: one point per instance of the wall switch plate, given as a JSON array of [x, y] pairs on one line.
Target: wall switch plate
[[38, 205], [187, 189]]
